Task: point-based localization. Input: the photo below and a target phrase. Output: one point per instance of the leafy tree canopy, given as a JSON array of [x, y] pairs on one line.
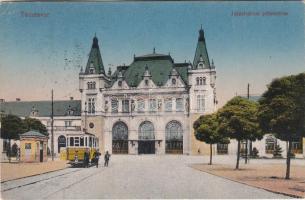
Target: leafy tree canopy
[[206, 130], [282, 108], [35, 124], [238, 120], [11, 127]]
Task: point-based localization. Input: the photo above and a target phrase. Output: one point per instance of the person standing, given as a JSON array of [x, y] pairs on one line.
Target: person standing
[[86, 159], [96, 157], [106, 158]]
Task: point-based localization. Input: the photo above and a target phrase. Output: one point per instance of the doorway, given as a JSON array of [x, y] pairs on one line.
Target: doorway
[[146, 147], [41, 151]]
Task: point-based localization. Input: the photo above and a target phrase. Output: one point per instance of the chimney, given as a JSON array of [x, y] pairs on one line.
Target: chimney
[[2, 100], [71, 98], [18, 99]]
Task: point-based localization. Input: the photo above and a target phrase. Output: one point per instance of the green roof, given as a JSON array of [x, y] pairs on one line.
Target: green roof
[[159, 66], [201, 51], [24, 108], [95, 59], [33, 134]]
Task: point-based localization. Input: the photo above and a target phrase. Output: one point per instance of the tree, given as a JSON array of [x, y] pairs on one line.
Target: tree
[[206, 130], [282, 111], [238, 120], [11, 127], [277, 152], [35, 124]]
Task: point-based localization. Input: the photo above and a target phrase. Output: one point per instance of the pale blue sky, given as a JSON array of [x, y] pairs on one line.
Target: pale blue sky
[[40, 53]]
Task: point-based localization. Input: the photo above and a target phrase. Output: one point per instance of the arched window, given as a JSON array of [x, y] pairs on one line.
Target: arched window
[[120, 131], [174, 81], [173, 131], [200, 81], [197, 81], [270, 144], [146, 131], [93, 85], [173, 138], [119, 138], [203, 81]]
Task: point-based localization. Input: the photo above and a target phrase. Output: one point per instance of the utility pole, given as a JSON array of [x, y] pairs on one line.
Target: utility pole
[[246, 156], [52, 126], [85, 117]]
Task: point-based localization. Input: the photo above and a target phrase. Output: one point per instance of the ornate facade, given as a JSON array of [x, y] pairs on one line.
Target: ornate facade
[[147, 107]]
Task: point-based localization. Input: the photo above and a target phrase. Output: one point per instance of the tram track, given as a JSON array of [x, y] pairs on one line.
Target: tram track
[[72, 184], [33, 182]]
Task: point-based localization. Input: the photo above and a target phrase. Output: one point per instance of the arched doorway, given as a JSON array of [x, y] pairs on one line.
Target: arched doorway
[[174, 138], [146, 144], [61, 142], [119, 138]]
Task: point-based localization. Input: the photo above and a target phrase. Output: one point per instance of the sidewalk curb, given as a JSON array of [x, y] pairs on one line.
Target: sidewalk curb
[[276, 192], [34, 175]]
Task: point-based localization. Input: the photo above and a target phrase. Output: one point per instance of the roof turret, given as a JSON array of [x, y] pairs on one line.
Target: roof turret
[[201, 54], [95, 62]]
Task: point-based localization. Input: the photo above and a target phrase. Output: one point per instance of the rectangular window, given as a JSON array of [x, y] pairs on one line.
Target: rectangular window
[[179, 104], [222, 148], [141, 105], [168, 105], [71, 141], [68, 123], [81, 142], [76, 141], [152, 105], [200, 102], [297, 147], [114, 105], [91, 105], [90, 141], [125, 106]]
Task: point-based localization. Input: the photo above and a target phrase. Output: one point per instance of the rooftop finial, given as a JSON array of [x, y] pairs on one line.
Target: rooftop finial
[[146, 67], [201, 27], [95, 34], [154, 50]]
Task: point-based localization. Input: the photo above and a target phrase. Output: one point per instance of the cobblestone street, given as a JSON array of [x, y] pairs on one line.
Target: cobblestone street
[[132, 177]]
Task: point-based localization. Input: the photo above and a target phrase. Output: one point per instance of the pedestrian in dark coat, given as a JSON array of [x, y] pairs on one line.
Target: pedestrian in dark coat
[[86, 159], [96, 157], [106, 158]]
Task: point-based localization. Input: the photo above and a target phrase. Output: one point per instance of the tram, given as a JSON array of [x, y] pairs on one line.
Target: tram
[[78, 144]]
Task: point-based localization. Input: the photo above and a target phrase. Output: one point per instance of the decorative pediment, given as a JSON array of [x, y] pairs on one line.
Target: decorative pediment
[[147, 81], [174, 79]]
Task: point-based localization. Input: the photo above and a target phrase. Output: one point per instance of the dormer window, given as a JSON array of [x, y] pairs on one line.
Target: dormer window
[[70, 111], [34, 112], [200, 66], [120, 83], [174, 81], [91, 68], [146, 82]]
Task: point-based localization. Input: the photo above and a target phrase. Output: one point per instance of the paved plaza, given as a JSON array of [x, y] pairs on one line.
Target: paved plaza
[[128, 176]]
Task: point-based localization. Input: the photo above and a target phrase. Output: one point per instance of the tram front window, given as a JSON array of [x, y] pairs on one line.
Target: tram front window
[[71, 141], [81, 141], [90, 141]]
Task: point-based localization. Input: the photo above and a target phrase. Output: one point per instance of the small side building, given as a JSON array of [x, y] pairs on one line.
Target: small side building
[[33, 147]]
